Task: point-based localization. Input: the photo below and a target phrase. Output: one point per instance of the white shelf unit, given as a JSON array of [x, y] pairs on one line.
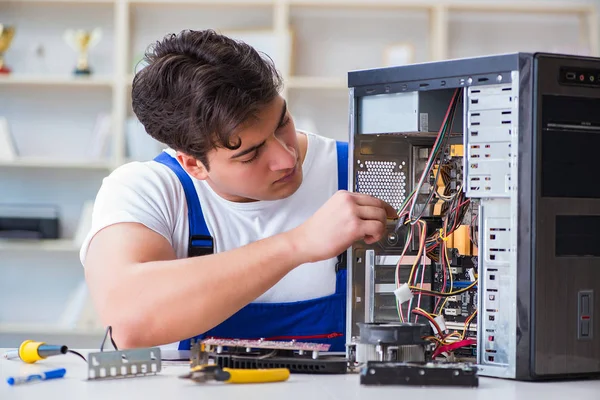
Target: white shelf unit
[[57, 80], [52, 114], [330, 37], [48, 245], [32, 163]]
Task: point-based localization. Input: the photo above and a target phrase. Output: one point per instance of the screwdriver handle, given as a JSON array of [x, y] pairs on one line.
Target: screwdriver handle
[[31, 351]]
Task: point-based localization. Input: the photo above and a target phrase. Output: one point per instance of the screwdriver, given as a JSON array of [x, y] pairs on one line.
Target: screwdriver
[[31, 351]]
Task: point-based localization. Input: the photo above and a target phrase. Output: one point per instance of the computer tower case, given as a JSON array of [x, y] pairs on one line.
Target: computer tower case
[[505, 218]]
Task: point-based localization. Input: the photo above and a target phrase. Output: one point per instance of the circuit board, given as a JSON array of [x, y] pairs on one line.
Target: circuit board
[[267, 344], [298, 357], [456, 271], [461, 306]]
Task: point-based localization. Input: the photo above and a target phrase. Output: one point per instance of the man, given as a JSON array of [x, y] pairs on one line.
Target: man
[[235, 229]]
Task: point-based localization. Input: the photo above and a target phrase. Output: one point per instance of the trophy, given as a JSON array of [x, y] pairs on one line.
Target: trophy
[[6, 35], [82, 41]]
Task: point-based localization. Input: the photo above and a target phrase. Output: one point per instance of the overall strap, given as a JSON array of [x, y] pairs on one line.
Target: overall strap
[[342, 167], [200, 241], [342, 164]]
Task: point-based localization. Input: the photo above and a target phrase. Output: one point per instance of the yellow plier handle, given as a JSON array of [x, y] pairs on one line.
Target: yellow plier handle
[[252, 375]]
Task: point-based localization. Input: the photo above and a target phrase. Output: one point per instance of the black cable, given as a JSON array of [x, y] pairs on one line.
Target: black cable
[[456, 215], [77, 354], [468, 326], [106, 334], [432, 192]]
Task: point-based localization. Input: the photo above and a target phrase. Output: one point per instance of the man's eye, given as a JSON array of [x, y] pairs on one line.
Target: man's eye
[[251, 159], [284, 123]]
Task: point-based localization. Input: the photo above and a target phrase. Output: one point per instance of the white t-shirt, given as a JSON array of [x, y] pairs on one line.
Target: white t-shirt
[[151, 194]]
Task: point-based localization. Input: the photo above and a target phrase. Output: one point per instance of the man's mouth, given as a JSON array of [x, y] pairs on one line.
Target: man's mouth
[[288, 176]]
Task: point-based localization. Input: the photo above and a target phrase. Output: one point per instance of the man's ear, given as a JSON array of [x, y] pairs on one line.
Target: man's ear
[[193, 166]]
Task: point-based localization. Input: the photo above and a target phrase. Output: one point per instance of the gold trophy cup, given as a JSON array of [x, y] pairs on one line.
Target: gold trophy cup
[[82, 41], [6, 36]]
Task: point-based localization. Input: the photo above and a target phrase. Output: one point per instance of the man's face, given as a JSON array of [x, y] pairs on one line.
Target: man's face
[[268, 164]]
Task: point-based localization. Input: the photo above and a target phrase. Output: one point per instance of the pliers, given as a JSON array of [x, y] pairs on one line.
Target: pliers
[[204, 373]]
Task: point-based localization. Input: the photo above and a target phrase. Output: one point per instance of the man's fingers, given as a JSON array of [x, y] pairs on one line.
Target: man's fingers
[[373, 231], [366, 200], [372, 213], [390, 211]]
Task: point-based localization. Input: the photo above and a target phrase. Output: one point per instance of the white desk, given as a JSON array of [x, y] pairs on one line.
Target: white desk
[[167, 385]]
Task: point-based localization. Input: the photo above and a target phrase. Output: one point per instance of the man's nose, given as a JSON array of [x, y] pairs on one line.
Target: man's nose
[[284, 157]]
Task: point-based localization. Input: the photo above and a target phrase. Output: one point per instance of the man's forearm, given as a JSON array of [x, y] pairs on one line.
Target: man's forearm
[[166, 301]]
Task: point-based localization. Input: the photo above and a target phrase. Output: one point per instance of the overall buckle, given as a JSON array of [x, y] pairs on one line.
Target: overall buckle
[[200, 245]]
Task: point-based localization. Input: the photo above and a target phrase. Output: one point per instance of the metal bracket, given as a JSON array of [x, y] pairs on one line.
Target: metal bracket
[[124, 363], [370, 285]]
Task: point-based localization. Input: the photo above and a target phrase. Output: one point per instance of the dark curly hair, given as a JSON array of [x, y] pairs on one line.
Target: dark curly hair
[[198, 87]]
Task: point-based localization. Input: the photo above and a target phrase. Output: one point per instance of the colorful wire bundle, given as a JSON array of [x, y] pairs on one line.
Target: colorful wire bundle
[[454, 208]]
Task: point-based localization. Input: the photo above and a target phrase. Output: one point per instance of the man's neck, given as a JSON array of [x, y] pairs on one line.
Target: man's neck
[[303, 145]]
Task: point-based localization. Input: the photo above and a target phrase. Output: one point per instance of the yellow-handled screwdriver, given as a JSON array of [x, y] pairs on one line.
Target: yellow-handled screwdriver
[[31, 351]]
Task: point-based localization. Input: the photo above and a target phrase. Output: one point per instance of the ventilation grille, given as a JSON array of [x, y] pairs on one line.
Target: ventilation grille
[[336, 365], [385, 180]]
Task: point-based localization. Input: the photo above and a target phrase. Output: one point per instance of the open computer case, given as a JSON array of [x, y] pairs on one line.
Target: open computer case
[[492, 164]]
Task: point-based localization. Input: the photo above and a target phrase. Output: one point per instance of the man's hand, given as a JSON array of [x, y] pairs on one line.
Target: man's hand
[[344, 219]]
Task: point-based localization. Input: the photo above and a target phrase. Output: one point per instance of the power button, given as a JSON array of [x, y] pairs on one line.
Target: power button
[[585, 314]]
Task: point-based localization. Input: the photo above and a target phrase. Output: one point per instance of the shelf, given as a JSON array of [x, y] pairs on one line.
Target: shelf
[[316, 82], [60, 1], [459, 5], [523, 7], [30, 162], [55, 80], [53, 245], [206, 2], [520, 6], [361, 3], [48, 329]]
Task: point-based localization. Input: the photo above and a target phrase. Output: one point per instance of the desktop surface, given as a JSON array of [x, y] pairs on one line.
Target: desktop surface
[[167, 384]]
